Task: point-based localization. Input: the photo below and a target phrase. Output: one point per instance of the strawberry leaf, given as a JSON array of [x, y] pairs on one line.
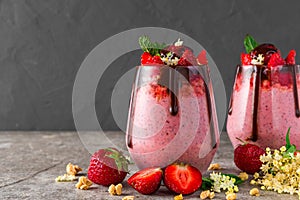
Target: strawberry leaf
[[249, 43]]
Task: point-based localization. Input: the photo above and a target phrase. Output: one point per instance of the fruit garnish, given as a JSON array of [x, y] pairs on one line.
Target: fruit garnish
[[153, 48], [264, 54], [182, 178], [280, 171], [146, 181], [249, 43], [108, 166], [187, 58], [290, 59], [246, 157], [148, 59], [201, 58]]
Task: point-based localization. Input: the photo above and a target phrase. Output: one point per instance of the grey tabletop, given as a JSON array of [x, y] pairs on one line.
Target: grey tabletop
[[30, 162]]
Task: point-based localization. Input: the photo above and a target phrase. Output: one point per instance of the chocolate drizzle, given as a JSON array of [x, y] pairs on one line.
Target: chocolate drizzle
[[295, 91], [173, 109], [257, 72]]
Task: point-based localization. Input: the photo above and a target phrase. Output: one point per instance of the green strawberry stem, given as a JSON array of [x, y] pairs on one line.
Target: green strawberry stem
[[249, 43]]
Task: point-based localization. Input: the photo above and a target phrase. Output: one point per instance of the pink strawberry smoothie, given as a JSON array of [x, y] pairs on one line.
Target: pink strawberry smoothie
[[156, 137], [277, 106]]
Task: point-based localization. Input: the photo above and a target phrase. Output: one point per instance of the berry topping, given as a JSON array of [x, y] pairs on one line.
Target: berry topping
[[146, 181], [182, 178], [262, 54], [245, 59], [290, 59], [201, 58], [187, 58], [108, 166], [147, 59], [246, 157], [276, 60]]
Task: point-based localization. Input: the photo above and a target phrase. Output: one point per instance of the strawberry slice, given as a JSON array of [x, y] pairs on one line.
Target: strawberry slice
[[245, 59], [146, 181], [201, 58], [276, 60], [290, 59], [187, 58], [182, 178]]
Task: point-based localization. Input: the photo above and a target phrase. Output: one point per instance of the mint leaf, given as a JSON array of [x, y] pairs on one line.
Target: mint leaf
[[290, 148], [207, 183], [287, 139], [249, 43], [148, 46], [238, 180]]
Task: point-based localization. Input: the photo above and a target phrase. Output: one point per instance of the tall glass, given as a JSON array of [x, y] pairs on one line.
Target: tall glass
[[264, 104], [172, 117]]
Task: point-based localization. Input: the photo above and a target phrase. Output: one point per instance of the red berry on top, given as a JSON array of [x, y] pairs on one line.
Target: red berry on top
[[187, 58], [146, 58], [157, 60], [201, 58], [146, 181], [246, 158], [107, 166], [245, 59], [267, 50], [276, 60], [182, 178], [290, 59]]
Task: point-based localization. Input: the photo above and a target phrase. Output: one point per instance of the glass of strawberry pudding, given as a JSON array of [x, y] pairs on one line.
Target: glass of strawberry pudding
[[265, 97], [172, 116]]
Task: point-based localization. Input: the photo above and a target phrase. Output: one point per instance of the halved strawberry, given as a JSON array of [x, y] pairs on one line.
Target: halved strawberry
[[276, 60], [146, 181], [245, 59], [290, 59], [182, 178], [201, 58]]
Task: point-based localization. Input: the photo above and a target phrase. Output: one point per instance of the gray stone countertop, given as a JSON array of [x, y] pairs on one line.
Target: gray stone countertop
[[30, 162]]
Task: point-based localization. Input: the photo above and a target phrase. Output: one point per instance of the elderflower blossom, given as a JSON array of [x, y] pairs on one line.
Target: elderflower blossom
[[221, 181], [280, 172]]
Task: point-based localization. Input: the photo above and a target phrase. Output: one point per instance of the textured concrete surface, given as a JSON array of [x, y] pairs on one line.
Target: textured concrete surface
[[30, 161], [44, 42]]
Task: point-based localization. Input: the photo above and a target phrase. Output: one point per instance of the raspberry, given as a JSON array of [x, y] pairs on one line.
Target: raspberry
[[146, 58], [276, 60], [290, 59], [245, 59]]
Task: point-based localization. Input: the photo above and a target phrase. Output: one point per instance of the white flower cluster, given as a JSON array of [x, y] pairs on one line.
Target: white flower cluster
[[280, 172], [221, 181]]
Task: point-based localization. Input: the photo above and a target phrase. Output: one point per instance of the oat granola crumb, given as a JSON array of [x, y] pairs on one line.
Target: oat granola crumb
[[73, 169], [178, 197], [243, 176], [254, 192], [204, 194], [112, 189], [128, 198], [83, 183], [230, 196], [66, 178], [212, 195], [119, 189], [214, 166]]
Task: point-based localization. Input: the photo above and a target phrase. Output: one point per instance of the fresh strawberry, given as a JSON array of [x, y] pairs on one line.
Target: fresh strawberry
[[146, 58], [246, 157], [187, 58], [276, 60], [201, 58], [182, 178], [108, 166], [146, 181], [290, 59], [245, 59]]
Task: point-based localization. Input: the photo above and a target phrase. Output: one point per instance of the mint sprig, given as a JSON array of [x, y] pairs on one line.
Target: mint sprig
[[290, 148], [249, 43], [153, 48]]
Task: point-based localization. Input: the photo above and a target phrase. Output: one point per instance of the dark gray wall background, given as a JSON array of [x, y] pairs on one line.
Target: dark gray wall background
[[42, 44]]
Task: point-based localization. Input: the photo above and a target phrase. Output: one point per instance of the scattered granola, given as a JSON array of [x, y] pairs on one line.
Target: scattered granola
[[230, 196], [66, 178], [254, 192], [178, 197], [207, 194], [83, 183], [128, 198], [115, 190], [243, 176], [214, 166], [73, 169]]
